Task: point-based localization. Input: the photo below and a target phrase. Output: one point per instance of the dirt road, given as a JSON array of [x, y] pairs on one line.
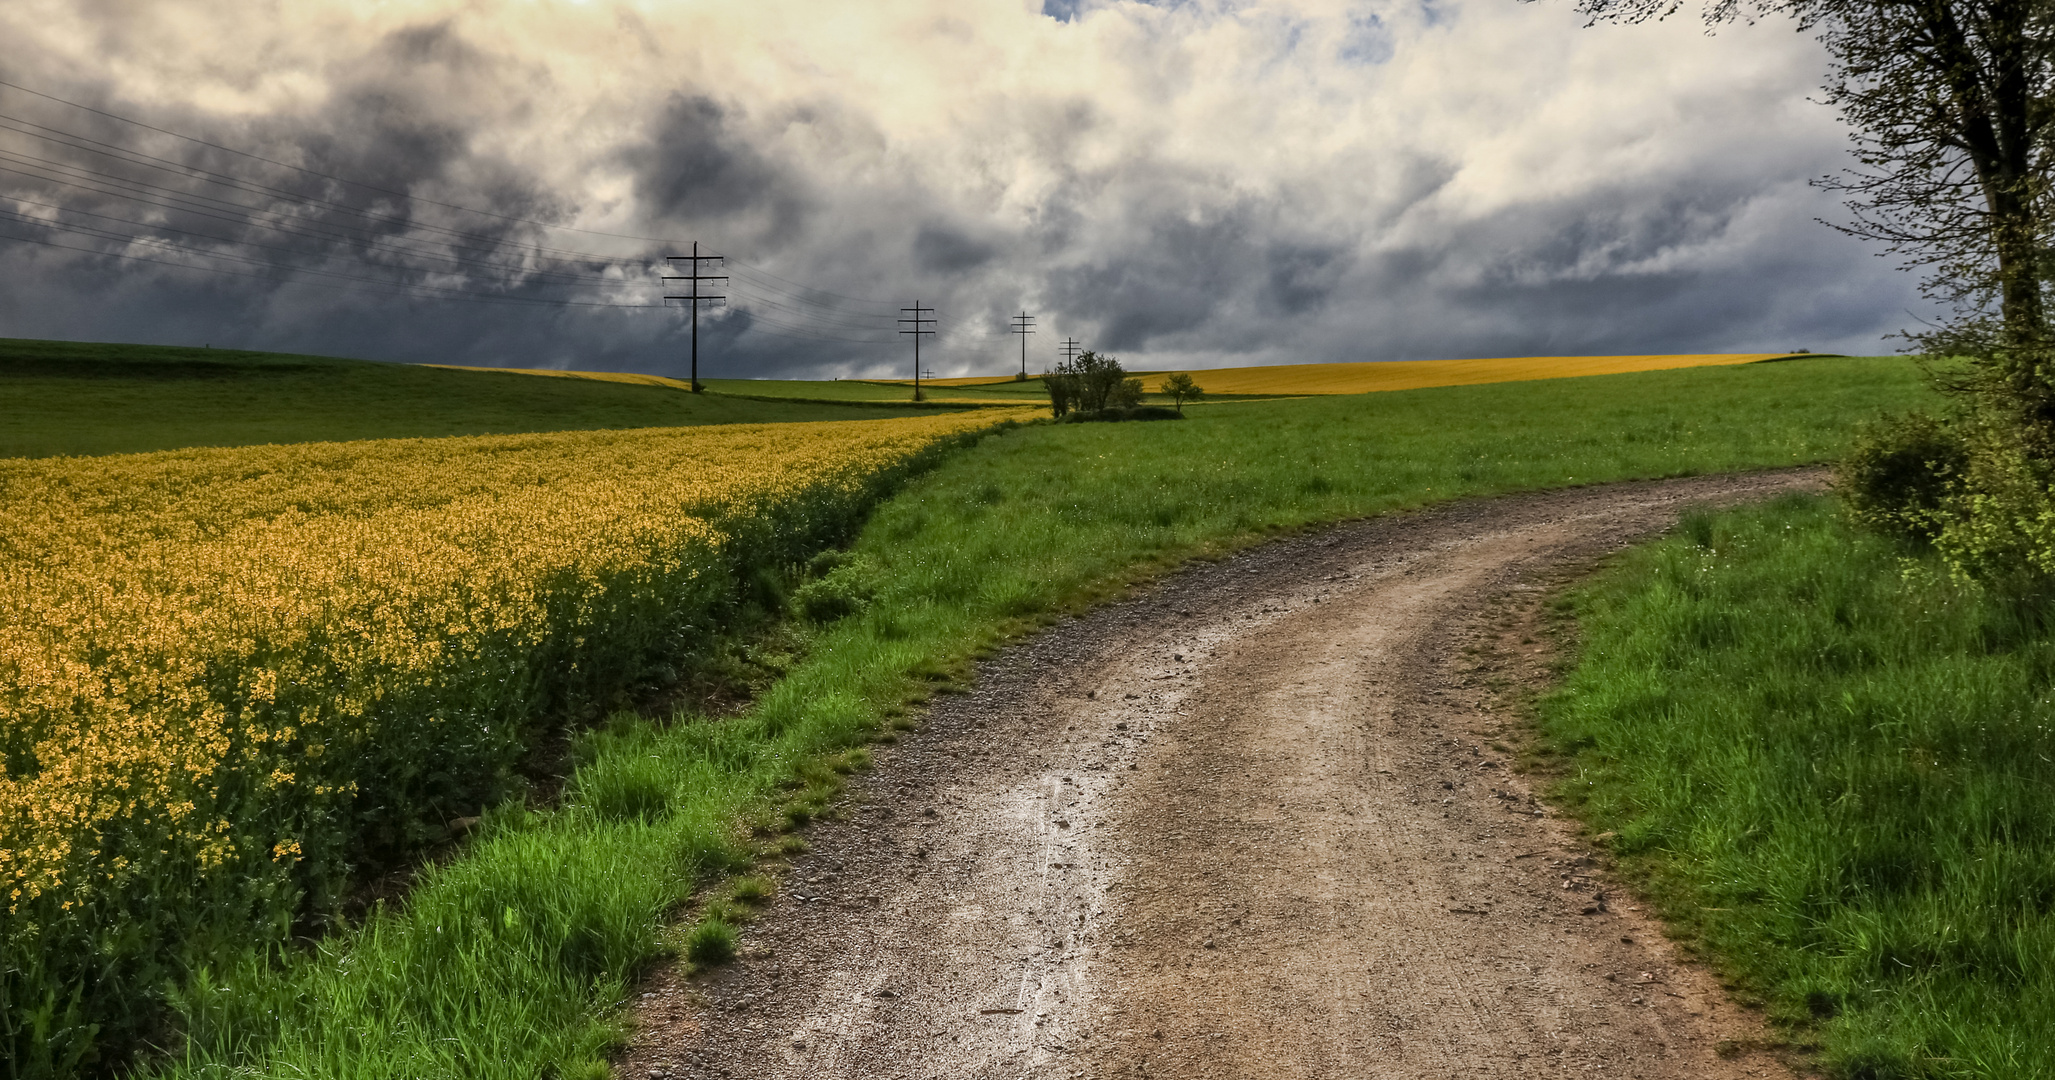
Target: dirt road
[[1256, 821]]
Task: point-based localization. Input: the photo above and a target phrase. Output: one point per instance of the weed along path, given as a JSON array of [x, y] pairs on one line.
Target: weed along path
[[1256, 821]]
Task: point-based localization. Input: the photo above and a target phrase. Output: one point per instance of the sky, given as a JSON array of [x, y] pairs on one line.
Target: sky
[[1179, 184]]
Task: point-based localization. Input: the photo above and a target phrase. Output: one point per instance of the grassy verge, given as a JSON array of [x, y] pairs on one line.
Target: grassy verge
[[60, 397], [513, 961], [1832, 768]]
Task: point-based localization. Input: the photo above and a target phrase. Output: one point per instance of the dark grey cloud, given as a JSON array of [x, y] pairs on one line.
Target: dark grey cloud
[[1170, 283], [695, 168], [1303, 277], [945, 249]]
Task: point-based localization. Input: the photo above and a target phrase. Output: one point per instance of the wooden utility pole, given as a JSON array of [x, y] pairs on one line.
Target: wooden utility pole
[[1023, 324], [695, 277], [1071, 347], [919, 328]]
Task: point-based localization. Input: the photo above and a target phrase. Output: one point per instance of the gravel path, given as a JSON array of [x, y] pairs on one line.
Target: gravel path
[[1253, 822]]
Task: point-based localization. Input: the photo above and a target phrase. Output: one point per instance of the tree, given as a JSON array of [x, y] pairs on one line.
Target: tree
[[1181, 389], [1952, 107], [1062, 388], [1091, 384]]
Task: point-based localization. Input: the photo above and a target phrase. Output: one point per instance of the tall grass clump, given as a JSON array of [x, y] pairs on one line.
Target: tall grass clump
[[510, 961], [1831, 760]]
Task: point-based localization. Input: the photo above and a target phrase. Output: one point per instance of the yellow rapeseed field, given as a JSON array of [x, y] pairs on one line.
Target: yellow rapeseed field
[[208, 657], [1363, 378]]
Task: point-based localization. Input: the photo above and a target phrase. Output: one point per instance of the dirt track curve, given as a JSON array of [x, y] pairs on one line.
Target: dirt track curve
[[1248, 823]]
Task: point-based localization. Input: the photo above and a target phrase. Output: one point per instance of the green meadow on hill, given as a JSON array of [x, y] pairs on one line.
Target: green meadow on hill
[[60, 397]]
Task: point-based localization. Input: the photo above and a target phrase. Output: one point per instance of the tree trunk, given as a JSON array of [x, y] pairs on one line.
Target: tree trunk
[[1987, 66]]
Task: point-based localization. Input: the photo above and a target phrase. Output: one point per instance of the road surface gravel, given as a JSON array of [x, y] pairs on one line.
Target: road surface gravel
[[1257, 820]]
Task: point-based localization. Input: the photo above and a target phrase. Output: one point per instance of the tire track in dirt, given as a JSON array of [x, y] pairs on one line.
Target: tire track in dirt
[[1247, 823]]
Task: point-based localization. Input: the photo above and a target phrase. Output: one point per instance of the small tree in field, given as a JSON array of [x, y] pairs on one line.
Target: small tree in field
[[1099, 378], [1062, 387], [1182, 388], [1090, 384]]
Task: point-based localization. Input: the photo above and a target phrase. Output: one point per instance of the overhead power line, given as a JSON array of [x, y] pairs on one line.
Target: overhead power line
[[205, 253], [168, 200], [572, 281], [386, 286]]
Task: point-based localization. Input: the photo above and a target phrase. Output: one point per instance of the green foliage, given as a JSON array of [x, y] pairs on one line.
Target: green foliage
[[1091, 384], [1973, 487], [1033, 522], [60, 397], [1834, 771], [1061, 386], [843, 586], [1899, 474], [1115, 415], [1181, 387], [1998, 523]]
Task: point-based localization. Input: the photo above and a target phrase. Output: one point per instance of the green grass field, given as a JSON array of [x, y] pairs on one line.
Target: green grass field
[[61, 397], [1022, 393], [1832, 767], [514, 960]]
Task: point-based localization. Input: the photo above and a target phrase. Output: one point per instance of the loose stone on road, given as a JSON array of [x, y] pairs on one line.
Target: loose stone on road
[[1253, 822]]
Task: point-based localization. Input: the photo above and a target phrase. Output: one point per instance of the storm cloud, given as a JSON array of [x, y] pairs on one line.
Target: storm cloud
[[1191, 183]]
